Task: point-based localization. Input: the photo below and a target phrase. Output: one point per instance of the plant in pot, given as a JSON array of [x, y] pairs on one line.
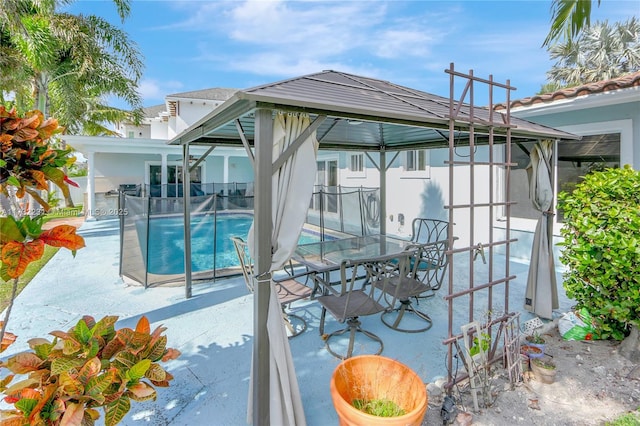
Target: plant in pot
[[544, 370], [531, 351], [376, 390], [536, 339]]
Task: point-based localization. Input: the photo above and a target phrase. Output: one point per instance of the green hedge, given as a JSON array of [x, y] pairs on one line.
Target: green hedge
[[601, 248]]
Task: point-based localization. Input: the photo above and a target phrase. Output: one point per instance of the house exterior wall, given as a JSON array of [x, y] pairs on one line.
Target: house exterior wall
[[159, 129], [188, 112], [424, 194], [240, 170], [115, 169]]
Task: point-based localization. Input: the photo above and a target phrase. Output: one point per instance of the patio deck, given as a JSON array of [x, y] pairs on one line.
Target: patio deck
[[213, 330]]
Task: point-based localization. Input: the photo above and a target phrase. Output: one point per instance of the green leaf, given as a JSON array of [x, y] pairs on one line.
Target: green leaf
[[82, 332], [115, 412], [97, 385], [126, 359], [10, 230], [26, 405], [13, 181], [104, 327], [60, 365], [43, 350], [138, 371], [601, 250], [93, 348]]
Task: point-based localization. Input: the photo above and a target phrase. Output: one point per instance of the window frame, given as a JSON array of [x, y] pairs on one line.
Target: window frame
[[416, 167]]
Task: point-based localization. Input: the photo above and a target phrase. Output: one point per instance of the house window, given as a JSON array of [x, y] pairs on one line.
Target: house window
[[417, 164], [578, 158], [416, 160], [356, 163], [130, 134], [173, 188]]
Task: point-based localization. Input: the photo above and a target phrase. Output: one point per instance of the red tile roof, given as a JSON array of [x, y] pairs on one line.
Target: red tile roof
[[626, 81]]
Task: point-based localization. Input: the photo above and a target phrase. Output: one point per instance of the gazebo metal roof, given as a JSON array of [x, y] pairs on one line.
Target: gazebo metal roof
[[363, 113]]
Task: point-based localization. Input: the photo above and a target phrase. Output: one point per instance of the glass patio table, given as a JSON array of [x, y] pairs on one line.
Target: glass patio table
[[321, 258], [326, 256]]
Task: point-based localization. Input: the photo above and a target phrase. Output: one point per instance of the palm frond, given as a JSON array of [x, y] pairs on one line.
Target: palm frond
[[568, 18]]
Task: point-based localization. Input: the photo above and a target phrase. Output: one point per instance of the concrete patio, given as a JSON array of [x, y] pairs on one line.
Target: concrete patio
[[213, 330]]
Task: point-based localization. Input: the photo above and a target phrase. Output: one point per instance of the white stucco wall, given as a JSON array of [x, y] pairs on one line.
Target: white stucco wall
[[189, 111], [159, 130], [424, 194], [114, 169]]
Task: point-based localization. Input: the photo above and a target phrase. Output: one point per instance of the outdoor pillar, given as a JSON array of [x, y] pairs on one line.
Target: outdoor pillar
[[91, 187], [263, 228], [164, 172]]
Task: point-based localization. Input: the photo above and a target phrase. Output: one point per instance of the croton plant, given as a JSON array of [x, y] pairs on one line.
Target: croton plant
[[28, 162], [92, 365]]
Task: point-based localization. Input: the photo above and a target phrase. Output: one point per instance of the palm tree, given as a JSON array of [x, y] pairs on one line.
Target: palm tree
[[65, 56], [66, 65], [568, 19], [601, 52]]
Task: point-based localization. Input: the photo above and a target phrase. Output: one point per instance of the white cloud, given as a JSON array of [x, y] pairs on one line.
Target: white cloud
[[281, 38], [154, 91]]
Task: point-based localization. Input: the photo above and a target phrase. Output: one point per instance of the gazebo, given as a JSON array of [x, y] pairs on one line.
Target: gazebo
[[390, 118]]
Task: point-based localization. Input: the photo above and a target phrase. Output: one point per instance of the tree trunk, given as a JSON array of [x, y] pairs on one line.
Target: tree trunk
[[630, 347]]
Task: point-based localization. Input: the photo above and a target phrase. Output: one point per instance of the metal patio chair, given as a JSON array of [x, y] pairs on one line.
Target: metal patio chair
[[289, 289], [404, 287], [433, 262], [353, 299]]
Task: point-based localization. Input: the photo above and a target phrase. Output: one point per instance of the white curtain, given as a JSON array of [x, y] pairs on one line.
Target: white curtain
[[541, 296], [292, 189]]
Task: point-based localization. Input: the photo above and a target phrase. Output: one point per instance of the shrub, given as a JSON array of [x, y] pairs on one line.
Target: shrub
[[92, 365], [601, 248]]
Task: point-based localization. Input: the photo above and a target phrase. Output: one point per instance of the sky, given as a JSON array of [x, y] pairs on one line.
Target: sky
[[194, 45]]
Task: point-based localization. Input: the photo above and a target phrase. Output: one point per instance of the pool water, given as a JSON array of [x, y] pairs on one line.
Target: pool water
[[166, 242]]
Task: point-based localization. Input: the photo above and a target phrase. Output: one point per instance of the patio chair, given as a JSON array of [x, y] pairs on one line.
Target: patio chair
[[404, 286], [289, 289], [353, 299], [433, 262]]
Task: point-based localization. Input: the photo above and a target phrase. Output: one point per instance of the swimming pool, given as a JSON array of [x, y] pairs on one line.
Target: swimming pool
[[166, 242]]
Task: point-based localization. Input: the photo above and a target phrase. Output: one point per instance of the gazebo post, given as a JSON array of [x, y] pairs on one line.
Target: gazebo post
[[262, 242], [383, 191]]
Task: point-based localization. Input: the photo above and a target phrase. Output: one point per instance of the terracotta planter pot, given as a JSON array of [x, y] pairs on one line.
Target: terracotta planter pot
[[543, 374], [531, 351], [374, 377]]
